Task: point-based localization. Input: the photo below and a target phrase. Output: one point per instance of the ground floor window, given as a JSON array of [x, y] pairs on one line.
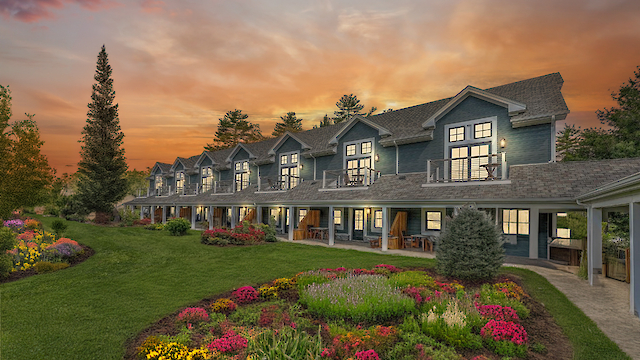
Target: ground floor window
[[337, 218], [275, 216], [301, 214], [377, 219], [358, 220], [515, 221], [434, 220]]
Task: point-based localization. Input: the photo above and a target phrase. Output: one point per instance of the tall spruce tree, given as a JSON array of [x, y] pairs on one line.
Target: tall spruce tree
[[102, 169], [289, 123], [348, 106], [234, 128]]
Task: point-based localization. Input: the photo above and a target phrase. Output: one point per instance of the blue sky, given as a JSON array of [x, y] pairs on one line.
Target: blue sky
[[178, 66]]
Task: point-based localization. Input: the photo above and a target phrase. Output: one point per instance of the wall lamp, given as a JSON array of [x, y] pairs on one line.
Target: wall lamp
[[377, 157], [503, 143]]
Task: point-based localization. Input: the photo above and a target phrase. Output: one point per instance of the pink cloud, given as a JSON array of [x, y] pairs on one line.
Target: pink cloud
[[35, 10]]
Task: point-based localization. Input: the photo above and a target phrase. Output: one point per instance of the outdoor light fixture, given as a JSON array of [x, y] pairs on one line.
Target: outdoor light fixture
[[503, 143], [377, 157], [301, 166]]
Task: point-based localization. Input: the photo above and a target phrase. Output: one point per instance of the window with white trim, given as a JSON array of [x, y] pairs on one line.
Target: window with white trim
[[207, 178], [456, 134], [179, 181], [433, 220], [158, 182], [301, 214], [242, 213], [358, 220], [469, 146], [515, 221], [377, 219], [337, 219], [482, 130], [241, 175], [289, 170], [275, 215], [357, 161]]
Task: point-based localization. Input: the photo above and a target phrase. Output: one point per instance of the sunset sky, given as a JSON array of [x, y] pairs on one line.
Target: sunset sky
[[178, 66]]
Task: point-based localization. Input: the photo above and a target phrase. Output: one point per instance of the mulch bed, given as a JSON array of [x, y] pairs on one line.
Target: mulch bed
[[17, 275], [540, 325]]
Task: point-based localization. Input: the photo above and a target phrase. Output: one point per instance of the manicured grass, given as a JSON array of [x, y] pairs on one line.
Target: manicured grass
[[138, 276], [587, 339]]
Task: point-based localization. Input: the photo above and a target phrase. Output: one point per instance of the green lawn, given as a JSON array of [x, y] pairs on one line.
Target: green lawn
[[138, 276]]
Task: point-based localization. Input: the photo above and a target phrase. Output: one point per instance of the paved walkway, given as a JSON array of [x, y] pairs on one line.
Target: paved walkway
[[607, 304]]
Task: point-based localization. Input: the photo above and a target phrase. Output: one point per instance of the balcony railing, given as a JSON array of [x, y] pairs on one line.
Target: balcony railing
[[349, 178], [278, 183], [189, 189], [470, 168], [222, 187], [162, 191]]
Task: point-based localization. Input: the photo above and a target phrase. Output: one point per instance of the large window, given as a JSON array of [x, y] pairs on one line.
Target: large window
[[469, 146], [301, 214], [179, 181], [515, 221], [241, 175], [289, 170], [358, 161], [337, 218], [434, 220], [158, 182], [275, 216], [207, 178]]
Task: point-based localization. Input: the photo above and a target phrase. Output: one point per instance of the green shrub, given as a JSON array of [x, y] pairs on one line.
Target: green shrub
[[156, 226], [59, 227], [491, 296], [51, 210], [286, 343], [128, 216], [7, 239], [450, 325], [269, 232], [356, 298], [45, 267], [177, 226], [470, 246], [538, 348], [6, 264], [412, 278], [419, 346]]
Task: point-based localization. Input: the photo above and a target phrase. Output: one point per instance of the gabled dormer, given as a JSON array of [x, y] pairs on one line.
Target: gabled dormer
[[185, 175], [239, 159], [206, 164], [158, 178]]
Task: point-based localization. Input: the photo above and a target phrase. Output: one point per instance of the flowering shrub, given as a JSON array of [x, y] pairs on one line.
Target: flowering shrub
[[391, 268], [15, 224], [510, 289], [63, 248], [272, 316], [349, 344], [283, 283], [156, 349], [450, 326], [142, 222], [367, 355], [223, 305], [32, 224], [245, 294], [228, 343], [412, 278], [245, 234], [496, 312], [450, 288], [268, 292], [505, 338], [490, 296], [193, 315]]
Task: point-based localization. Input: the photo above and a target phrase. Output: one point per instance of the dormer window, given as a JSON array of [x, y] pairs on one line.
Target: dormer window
[[158, 182], [289, 170], [207, 178], [482, 130], [241, 175], [179, 180], [469, 146], [456, 134], [357, 160]]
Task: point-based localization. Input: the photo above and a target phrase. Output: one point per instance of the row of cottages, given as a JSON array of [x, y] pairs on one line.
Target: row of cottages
[[400, 172]]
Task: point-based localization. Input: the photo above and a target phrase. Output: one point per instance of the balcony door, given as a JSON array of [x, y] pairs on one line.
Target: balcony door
[[463, 168]]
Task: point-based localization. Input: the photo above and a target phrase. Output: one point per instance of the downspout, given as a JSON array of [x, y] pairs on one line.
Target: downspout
[[397, 157]]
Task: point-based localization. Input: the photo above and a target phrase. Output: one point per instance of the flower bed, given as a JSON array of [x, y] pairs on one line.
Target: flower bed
[[244, 234], [379, 313]]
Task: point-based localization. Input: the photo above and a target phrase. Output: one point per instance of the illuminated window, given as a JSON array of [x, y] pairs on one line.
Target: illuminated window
[[482, 130], [366, 147], [275, 216], [377, 219], [242, 212], [289, 171], [456, 134], [337, 217], [301, 214], [351, 150], [207, 178], [515, 221], [358, 220], [241, 175], [158, 181], [434, 220], [294, 158], [284, 159]]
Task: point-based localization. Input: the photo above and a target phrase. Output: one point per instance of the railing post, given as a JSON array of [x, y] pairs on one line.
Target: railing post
[[259, 184], [324, 179], [503, 167], [215, 186], [428, 171]]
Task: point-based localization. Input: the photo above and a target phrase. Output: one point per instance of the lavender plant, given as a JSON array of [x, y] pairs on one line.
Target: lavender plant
[[357, 298]]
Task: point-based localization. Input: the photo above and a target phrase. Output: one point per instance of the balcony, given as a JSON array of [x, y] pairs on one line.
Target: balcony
[[162, 191], [360, 178], [278, 183], [221, 187], [487, 168]]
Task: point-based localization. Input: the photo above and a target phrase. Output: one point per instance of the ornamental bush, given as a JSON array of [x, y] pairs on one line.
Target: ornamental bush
[[178, 226], [470, 246], [7, 242], [58, 227]]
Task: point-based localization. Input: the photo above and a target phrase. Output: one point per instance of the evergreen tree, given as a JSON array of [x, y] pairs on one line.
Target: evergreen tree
[[289, 123], [326, 121], [621, 140], [349, 105], [102, 182], [25, 174], [234, 128]]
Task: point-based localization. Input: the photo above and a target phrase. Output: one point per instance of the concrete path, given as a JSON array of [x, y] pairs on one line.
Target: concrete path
[[607, 304]]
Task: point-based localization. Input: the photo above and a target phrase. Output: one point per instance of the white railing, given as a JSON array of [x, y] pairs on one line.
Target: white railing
[[162, 191], [279, 183], [223, 187], [189, 189], [349, 178], [470, 168]]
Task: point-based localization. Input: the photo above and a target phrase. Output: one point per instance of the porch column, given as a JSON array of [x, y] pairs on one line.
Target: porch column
[[258, 219], [291, 218], [634, 258], [385, 228], [594, 244], [164, 214], [350, 223], [193, 217], [210, 218], [332, 227], [534, 219], [234, 215], [153, 214], [141, 212]]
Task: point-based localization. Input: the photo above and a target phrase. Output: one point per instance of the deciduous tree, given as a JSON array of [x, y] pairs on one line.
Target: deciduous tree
[[25, 174], [102, 182], [234, 128], [289, 123]]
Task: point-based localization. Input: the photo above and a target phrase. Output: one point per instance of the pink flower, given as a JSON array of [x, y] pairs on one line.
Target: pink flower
[[504, 330], [367, 355]]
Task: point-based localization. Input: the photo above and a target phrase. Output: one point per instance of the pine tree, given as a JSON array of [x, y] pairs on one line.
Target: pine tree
[[234, 128], [349, 106], [103, 165], [326, 121], [289, 123]]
